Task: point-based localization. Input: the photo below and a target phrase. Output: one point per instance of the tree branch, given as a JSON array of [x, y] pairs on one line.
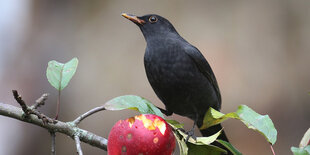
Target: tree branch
[[53, 145], [78, 145], [88, 113], [29, 111], [40, 101], [67, 128], [20, 101]]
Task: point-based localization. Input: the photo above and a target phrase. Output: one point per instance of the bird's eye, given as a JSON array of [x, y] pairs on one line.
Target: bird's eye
[[153, 19]]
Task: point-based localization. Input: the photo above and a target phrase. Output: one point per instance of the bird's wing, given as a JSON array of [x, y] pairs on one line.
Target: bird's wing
[[204, 67]]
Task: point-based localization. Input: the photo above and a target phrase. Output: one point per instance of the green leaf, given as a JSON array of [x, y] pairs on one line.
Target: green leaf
[[208, 140], [304, 147], [199, 146], [182, 145], [59, 74], [305, 139], [204, 150], [301, 151], [213, 117], [200, 140], [261, 123], [133, 102], [175, 124], [229, 147], [180, 139]]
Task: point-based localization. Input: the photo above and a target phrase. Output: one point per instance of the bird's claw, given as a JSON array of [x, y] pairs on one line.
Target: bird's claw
[[189, 134]]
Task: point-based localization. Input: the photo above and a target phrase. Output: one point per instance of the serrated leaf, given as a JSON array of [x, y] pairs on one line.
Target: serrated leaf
[[301, 151], [230, 147], [261, 123], [59, 74], [133, 102]]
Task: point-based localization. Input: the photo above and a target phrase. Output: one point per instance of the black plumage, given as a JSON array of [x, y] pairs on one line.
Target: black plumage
[[177, 71]]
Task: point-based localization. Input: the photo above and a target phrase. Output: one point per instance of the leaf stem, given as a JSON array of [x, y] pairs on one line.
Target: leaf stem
[[59, 90], [58, 105], [272, 150]]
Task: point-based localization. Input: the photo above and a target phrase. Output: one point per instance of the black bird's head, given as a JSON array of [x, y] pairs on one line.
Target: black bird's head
[[152, 25]]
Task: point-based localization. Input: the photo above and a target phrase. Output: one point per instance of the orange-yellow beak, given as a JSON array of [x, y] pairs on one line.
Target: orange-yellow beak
[[133, 18]]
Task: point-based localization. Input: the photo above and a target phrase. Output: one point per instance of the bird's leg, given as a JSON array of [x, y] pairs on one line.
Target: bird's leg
[[166, 112], [191, 133]]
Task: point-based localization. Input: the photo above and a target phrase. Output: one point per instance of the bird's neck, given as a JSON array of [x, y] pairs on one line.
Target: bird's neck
[[162, 37], [160, 33]]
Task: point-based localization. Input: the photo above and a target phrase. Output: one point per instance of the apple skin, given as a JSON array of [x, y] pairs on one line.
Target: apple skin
[[145, 134]]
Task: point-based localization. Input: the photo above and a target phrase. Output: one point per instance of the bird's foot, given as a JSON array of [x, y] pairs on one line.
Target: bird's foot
[[189, 134]]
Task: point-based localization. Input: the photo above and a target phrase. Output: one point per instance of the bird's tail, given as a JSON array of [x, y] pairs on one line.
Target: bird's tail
[[213, 130]]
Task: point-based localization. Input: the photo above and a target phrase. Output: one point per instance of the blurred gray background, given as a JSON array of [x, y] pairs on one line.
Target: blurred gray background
[[259, 51]]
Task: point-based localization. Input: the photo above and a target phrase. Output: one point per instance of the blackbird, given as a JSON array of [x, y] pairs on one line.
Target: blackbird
[[178, 73]]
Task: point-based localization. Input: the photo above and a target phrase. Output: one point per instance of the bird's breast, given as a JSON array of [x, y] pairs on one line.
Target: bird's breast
[[167, 67], [172, 74]]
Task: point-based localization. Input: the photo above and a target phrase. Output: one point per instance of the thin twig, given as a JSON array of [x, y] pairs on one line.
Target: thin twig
[[21, 102], [272, 150], [53, 146], [78, 145], [29, 111], [40, 101], [88, 113]]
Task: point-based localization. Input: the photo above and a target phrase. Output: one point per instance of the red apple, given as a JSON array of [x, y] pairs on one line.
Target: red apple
[[146, 134]]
